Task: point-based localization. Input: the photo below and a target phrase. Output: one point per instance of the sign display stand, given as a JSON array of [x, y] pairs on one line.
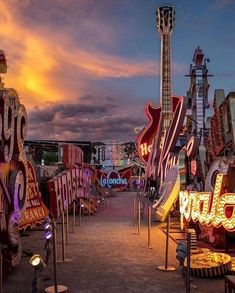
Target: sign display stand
[[63, 242], [55, 288], [134, 209], [166, 267], [149, 224], [138, 217], [74, 215], [67, 225]]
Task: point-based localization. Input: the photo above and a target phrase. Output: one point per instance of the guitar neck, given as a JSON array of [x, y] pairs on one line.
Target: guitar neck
[[165, 84]]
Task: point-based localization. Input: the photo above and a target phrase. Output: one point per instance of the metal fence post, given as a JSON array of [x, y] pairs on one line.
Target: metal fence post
[[138, 217], [149, 224], [188, 263], [134, 210]]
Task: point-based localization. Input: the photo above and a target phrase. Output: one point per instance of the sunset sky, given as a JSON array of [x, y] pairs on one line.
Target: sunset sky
[[85, 69]]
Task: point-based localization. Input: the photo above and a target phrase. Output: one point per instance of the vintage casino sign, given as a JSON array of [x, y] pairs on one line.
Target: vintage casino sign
[[115, 179], [36, 211], [72, 156], [146, 137], [216, 209], [66, 187], [13, 165]]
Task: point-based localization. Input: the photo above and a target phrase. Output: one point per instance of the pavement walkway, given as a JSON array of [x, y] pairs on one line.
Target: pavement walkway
[[108, 256]]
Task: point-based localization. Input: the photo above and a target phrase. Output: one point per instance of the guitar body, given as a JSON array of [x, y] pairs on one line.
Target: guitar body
[[155, 154], [145, 139]]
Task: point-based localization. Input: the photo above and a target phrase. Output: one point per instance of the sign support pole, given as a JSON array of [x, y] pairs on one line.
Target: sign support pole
[[165, 267], [63, 242], [138, 217], [80, 211], [134, 210], [149, 224], [89, 206], [56, 288], [188, 263], [67, 225], [74, 215]]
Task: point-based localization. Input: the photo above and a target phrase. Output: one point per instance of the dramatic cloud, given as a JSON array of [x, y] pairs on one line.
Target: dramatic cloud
[[49, 60], [85, 68], [79, 121]]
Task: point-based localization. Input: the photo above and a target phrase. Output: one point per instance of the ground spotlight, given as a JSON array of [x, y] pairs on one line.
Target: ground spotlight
[[47, 226], [48, 235], [37, 262]]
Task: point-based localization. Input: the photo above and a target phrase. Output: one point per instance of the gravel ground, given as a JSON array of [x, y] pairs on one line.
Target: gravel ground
[[108, 256]]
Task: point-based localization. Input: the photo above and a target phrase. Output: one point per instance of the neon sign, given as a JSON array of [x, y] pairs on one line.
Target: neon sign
[[145, 149], [208, 208], [113, 179]]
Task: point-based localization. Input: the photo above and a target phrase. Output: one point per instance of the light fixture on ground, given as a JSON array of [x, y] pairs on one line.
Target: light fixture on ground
[[52, 237], [48, 237], [38, 264]]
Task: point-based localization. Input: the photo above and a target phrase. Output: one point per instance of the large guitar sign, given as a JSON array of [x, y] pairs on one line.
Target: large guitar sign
[[165, 24]]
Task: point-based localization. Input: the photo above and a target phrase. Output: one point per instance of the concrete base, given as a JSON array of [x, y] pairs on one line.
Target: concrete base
[[60, 288], [166, 269]]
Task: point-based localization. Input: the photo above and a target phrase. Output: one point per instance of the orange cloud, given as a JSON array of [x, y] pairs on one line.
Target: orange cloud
[[38, 61], [50, 66], [29, 59], [100, 65]]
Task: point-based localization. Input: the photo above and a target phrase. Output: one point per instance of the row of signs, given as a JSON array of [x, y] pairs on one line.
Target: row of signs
[[66, 187], [215, 209]]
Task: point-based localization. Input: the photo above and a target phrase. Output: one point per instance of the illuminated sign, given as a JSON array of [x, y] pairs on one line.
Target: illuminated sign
[[208, 208], [13, 166], [170, 139], [67, 186], [72, 155], [145, 138], [113, 179], [35, 211], [145, 149]]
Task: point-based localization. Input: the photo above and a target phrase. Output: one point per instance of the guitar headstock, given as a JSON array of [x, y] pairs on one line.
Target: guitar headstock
[[165, 19]]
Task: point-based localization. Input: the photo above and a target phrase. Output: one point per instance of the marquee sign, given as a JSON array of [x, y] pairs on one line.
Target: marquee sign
[[36, 211], [216, 209], [66, 187]]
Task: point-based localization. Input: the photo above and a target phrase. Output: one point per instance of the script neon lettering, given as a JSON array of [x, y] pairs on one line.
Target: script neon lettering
[[145, 149], [113, 181], [209, 208]]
